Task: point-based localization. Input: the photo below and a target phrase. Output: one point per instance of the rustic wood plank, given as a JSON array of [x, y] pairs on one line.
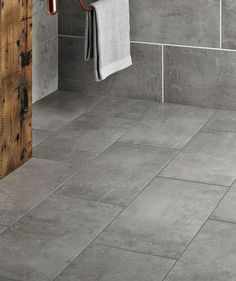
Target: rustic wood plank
[[15, 84]]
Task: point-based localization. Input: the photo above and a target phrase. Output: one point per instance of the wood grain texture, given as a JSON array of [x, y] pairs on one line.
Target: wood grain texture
[[15, 84]]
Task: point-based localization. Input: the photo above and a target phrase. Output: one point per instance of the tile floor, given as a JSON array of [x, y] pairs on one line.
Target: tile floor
[[122, 190]]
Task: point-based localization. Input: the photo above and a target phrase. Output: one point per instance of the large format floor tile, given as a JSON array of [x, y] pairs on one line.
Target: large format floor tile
[[39, 136], [226, 210], [169, 125], [132, 109], [1, 230], [224, 120], [228, 24], [55, 111], [25, 187], [118, 174], [164, 218], [211, 255], [84, 139], [210, 157], [101, 263], [44, 242]]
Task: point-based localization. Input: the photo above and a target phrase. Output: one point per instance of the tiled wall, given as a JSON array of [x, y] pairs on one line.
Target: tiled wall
[[45, 51], [183, 52]]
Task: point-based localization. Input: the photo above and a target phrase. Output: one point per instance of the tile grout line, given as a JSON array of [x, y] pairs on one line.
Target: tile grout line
[[99, 233], [208, 218], [160, 44], [163, 75], [221, 24], [134, 251]]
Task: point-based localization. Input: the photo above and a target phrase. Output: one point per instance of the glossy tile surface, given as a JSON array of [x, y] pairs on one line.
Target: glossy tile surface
[[104, 264], [118, 174], [210, 157], [164, 218]]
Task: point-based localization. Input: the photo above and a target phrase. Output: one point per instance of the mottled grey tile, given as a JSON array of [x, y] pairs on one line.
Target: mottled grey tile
[[58, 109], [131, 109], [71, 18], [28, 185], [226, 210], [185, 22], [210, 157], [40, 135], [224, 120], [142, 80], [228, 24], [101, 263], [118, 174], [45, 67], [164, 218], [211, 255], [84, 139], [200, 77], [44, 242], [169, 125], [2, 228]]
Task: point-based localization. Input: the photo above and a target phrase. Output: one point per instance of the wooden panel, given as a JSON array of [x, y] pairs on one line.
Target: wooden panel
[[15, 84]]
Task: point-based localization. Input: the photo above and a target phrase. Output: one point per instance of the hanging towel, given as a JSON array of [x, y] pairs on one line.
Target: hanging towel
[[107, 37]]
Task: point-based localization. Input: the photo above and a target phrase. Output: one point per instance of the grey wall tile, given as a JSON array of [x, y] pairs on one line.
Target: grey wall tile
[[142, 80], [45, 54], [228, 24], [200, 77], [45, 241], [104, 263], [45, 68], [185, 22], [211, 255], [164, 218]]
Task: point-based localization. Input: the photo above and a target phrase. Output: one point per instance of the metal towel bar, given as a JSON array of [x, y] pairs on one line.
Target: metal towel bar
[[52, 6]]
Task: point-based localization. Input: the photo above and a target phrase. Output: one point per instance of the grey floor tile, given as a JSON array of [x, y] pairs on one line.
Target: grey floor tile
[[211, 255], [39, 136], [169, 125], [164, 218], [101, 263], [224, 120], [118, 174], [226, 210], [2, 229], [131, 109], [58, 109], [84, 139], [210, 157], [44, 242], [29, 184]]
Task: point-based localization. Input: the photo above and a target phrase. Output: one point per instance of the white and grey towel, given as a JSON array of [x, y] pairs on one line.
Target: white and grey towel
[[107, 37]]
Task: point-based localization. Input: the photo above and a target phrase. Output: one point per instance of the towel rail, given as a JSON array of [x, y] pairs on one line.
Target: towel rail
[[85, 6], [52, 6]]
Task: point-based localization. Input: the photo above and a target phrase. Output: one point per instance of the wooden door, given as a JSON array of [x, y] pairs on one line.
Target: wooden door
[[15, 84]]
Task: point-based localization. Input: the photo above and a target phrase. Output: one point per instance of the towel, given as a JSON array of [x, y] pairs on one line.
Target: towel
[[107, 37]]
